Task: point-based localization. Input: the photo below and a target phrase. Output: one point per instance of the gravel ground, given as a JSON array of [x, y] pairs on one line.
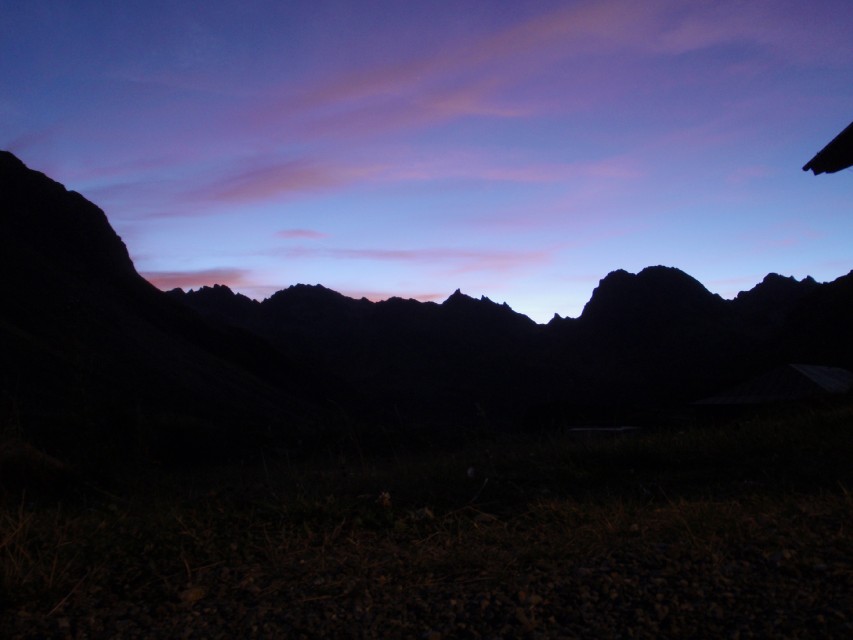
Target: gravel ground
[[781, 575]]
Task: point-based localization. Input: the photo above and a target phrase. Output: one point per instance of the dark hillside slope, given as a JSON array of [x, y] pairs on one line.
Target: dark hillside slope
[[91, 348]]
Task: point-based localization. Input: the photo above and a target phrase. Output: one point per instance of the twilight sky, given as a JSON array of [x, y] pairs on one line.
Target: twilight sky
[[518, 150]]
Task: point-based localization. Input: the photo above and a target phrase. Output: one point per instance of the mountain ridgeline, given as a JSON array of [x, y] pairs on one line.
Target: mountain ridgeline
[[93, 352], [645, 341]]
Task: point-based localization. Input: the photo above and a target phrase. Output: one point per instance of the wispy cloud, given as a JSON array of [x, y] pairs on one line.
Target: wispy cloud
[[149, 194], [465, 77], [749, 173], [782, 235], [24, 142], [483, 74], [449, 261], [276, 179], [301, 234], [478, 166], [469, 77], [258, 180], [785, 29]]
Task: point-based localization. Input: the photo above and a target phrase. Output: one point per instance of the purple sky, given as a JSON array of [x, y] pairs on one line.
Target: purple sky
[[518, 150]]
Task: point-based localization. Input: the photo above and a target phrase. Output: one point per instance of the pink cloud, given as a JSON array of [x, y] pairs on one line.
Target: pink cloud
[[132, 168], [35, 139], [278, 179], [501, 261], [378, 296], [749, 173], [275, 179], [477, 166], [469, 76], [784, 235], [434, 81], [295, 234], [787, 30], [474, 77], [453, 261], [458, 80], [408, 110], [148, 197], [435, 87], [473, 99], [166, 280]]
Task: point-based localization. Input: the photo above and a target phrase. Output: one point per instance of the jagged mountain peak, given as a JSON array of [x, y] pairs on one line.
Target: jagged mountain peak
[[307, 292], [305, 303], [483, 310], [774, 297], [216, 291], [777, 286], [457, 297], [218, 301]]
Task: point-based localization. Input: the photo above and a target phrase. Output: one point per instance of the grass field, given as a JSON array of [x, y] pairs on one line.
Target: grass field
[[739, 530]]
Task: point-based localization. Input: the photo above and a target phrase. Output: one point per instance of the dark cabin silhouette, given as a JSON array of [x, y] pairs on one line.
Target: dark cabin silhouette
[[835, 156]]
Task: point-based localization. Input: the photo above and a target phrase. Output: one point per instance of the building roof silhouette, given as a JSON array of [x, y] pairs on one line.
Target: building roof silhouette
[[786, 383], [835, 156]]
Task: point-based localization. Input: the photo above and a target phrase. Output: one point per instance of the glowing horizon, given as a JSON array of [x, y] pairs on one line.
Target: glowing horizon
[[518, 151]]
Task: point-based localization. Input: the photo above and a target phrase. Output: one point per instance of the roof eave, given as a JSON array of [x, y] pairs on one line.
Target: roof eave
[[835, 156]]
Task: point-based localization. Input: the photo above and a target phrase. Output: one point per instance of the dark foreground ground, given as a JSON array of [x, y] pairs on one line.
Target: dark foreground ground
[[737, 531]]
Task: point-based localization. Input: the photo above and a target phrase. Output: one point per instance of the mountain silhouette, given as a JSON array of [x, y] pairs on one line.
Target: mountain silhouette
[[95, 356], [653, 301], [413, 359], [651, 339], [774, 298]]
